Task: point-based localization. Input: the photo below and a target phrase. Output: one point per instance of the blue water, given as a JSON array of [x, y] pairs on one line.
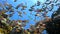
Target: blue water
[[25, 17]]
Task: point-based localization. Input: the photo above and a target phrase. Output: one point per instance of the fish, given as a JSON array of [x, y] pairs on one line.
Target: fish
[[25, 21], [38, 3], [50, 8], [44, 14], [12, 10], [19, 5], [20, 13], [58, 4], [38, 10], [30, 10], [56, 1], [23, 7], [47, 2], [15, 0], [32, 7], [6, 4], [10, 15], [37, 14], [8, 7]]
